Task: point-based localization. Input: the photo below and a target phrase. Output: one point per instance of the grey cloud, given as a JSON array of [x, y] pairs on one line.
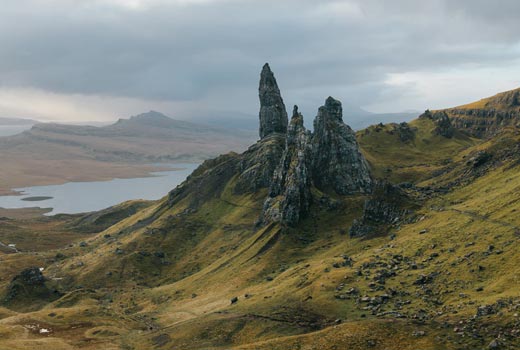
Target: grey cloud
[[215, 49]]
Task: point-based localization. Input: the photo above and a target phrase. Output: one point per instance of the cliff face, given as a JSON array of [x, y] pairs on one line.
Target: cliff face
[[290, 196], [482, 123], [336, 157], [485, 118]]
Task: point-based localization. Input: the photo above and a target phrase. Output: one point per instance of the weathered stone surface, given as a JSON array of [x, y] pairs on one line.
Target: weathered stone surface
[[337, 162], [483, 122], [405, 132], [508, 99], [387, 205], [273, 115], [290, 193], [258, 163], [443, 125], [288, 161]]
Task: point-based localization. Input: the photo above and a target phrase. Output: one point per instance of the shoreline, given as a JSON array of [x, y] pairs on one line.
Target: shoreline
[[107, 172]]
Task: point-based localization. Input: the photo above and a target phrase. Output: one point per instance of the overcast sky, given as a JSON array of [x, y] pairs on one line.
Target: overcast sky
[[73, 60]]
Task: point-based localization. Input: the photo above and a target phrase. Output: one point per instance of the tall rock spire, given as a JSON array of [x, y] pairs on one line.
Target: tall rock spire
[[273, 116], [337, 161]]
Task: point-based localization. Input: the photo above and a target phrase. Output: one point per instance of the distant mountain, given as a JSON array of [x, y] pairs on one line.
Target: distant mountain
[[62, 153], [16, 121], [147, 137]]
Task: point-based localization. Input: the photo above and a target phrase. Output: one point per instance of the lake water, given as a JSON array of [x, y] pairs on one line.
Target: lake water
[[8, 130], [80, 197]]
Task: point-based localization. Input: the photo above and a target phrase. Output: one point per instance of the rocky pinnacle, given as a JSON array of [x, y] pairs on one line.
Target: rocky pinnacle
[[337, 160], [273, 116], [290, 192]]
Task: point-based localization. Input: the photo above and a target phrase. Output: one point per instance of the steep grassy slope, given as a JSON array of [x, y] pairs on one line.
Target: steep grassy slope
[[166, 277]]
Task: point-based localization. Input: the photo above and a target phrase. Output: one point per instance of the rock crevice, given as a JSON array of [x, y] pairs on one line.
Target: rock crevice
[[290, 196]]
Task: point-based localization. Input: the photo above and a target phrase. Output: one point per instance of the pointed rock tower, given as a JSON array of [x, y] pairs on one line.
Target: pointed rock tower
[[290, 192], [337, 162], [273, 116]]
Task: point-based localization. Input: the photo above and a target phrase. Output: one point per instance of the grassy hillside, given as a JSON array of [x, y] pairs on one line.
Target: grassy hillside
[[192, 271], [420, 155]]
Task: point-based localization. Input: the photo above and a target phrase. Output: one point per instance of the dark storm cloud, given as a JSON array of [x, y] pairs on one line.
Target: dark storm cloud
[[183, 50]]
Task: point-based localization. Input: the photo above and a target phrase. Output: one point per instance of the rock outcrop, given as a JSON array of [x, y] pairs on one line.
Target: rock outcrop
[[336, 157], [443, 125], [28, 286], [288, 160], [273, 115], [290, 196], [405, 132], [483, 123], [387, 205], [258, 163], [329, 159]]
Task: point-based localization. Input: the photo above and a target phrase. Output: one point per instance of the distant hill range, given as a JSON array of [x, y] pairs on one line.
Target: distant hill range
[[147, 137], [55, 153], [16, 121]]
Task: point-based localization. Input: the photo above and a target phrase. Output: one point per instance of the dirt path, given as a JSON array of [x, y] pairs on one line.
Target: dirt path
[[480, 217]]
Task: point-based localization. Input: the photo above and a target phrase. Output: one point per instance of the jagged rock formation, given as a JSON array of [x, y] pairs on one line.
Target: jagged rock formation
[[288, 161], [328, 159], [290, 192], [508, 99], [387, 205], [258, 163], [487, 117], [405, 132], [273, 115], [443, 125], [339, 164], [483, 123]]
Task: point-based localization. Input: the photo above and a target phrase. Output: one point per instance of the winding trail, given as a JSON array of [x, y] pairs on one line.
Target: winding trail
[[476, 216]]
